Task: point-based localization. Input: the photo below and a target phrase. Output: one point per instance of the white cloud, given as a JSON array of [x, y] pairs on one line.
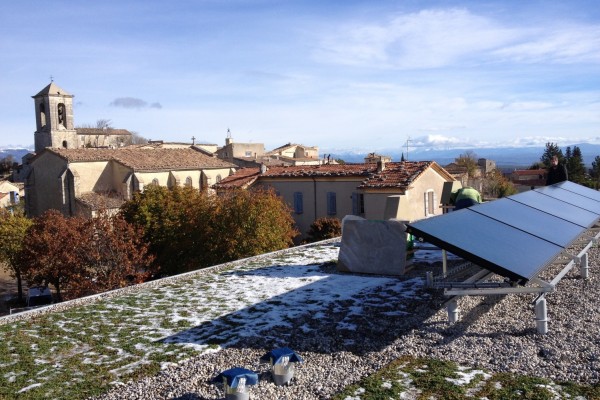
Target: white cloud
[[427, 39], [447, 37], [132, 102], [564, 45]]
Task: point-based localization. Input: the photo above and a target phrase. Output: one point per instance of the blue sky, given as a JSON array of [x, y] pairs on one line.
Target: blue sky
[[339, 75]]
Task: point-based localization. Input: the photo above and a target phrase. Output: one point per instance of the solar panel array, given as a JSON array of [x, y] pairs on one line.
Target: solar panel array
[[516, 236]]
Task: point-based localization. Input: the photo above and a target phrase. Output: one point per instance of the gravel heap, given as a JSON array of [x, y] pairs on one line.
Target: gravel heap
[[494, 333]]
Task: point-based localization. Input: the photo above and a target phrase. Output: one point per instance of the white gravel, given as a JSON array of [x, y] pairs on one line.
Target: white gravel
[[495, 334]]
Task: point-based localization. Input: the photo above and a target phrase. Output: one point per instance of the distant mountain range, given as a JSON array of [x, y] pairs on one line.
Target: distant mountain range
[[505, 157], [16, 152]]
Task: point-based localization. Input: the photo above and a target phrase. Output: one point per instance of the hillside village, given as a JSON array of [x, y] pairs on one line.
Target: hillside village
[[79, 170], [93, 173]]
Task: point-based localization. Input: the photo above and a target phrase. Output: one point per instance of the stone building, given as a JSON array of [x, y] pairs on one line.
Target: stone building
[[73, 178], [248, 155], [55, 124]]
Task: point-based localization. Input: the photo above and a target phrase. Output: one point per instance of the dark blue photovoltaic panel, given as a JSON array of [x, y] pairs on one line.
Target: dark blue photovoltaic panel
[[488, 243], [531, 220], [582, 190], [556, 207], [571, 198], [517, 236]]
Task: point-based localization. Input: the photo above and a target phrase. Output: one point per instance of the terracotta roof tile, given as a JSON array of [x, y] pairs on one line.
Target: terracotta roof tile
[[97, 201], [100, 131], [528, 172], [321, 170], [395, 174], [242, 178], [146, 159], [454, 168]]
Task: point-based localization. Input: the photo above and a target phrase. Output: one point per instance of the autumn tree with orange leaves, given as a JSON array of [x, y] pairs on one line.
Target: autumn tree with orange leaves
[[80, 256]]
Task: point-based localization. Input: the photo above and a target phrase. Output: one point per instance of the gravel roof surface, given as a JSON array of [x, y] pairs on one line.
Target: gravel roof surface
[[361, 333]]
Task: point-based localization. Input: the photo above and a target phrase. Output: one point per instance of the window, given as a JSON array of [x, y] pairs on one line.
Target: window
[[188, 181], [331, 203], [248, 153], [298, 205], [62, 115], [358, 203], [430, 202], [64, 144], [218, 179], [42, 115], [155, 182]]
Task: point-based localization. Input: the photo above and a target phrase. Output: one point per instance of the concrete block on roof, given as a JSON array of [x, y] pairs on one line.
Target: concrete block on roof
[[372, 247]]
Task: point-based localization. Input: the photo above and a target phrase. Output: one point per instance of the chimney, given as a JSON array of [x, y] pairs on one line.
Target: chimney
[[263, 168], [380, 165]]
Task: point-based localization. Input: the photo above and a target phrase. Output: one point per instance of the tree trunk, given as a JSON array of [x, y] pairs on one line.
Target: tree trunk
[[19, 285]]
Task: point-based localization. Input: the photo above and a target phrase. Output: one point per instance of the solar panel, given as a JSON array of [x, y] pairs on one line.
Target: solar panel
[[518, 236], [582, 190], [489, 243], [531, 220], [570, 197], [556, 207]]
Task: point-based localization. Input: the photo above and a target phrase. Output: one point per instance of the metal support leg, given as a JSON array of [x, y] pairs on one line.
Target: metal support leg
[[541, 316], [444, 264], [453, 310], [429, 279], [583, 266]]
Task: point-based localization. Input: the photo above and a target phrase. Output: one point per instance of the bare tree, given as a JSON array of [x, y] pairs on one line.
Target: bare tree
[[468, 160], [136, 138]]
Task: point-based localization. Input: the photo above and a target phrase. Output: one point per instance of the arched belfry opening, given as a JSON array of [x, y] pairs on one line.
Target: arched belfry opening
[[42, 108], [62, 116]]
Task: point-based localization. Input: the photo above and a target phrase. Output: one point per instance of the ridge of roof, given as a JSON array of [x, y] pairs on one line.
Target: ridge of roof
[[52, 89], [101, 131]]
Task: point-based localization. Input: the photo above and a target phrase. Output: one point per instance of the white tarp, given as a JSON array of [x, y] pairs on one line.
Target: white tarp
[[372, 247]]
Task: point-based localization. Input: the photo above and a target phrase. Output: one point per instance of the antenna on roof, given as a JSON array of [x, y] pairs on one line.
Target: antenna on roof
[[51, 79], [407, 144]]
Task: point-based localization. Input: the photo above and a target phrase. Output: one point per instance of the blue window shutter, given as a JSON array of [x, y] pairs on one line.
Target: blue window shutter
[[298, 205], [331, 203]]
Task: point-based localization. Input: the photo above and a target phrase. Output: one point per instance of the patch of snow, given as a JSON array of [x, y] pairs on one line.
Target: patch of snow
[[29, 387]]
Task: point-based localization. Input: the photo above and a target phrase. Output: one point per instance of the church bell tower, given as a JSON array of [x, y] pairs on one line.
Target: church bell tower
[[54, 119]]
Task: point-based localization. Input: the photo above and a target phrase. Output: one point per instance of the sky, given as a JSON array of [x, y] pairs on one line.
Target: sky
[[343, 75]]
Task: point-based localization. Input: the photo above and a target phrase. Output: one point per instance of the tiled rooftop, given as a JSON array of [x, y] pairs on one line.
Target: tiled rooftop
[[395, 174], [97, 201], [146, 159], [242, 178], [100, 131], [454, 168]]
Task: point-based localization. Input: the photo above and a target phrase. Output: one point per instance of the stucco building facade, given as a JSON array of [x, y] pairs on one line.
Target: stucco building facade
[[333, 190]]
